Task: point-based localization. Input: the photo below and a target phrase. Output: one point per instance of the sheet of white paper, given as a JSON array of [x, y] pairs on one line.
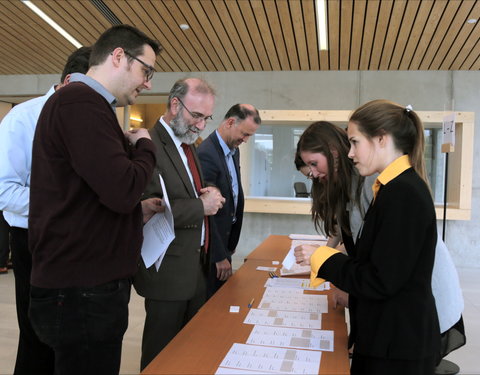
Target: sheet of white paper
[[158, 233], [449, 129], [270, 269], [276, 299], [308, 237], [292, 338], [293, 319], [234, 371], [289, 261], [264, 360], [282, 282]]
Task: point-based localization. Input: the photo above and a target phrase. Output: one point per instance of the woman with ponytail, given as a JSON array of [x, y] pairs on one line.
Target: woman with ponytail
[[394, 323]]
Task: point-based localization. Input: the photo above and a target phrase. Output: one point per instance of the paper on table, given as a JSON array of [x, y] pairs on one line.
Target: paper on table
[[312, 339], [271, 360], [158, 233], [303, 284], [289, 262], [288, 299], [293, 319], [309, 237]]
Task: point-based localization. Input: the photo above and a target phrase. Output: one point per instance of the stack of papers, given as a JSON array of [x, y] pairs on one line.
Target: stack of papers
[[289, 265]]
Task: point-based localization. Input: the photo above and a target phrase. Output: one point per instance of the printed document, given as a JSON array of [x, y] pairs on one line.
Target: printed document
[[264, 360], [311, 339], [158, 233]]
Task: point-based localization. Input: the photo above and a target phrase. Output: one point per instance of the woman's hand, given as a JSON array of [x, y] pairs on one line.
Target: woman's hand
[[303, 253]]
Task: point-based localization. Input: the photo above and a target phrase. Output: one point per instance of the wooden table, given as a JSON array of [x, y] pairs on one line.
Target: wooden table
[[202, 344]]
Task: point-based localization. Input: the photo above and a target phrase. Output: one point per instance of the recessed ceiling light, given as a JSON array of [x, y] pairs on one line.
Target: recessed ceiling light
[[321, 8], [184, 26], [52, 23], [472, 20]]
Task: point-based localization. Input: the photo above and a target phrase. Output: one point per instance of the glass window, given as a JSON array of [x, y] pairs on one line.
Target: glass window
[[273, 172]]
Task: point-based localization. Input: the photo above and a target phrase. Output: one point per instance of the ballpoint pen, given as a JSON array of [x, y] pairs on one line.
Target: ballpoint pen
[[251, 303]]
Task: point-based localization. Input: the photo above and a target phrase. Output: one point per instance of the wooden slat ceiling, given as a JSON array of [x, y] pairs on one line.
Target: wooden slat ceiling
[[253, 35]]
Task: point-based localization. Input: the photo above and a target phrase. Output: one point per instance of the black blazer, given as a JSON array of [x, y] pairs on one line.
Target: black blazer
[[178, 274], [215, 171], [388, 275]]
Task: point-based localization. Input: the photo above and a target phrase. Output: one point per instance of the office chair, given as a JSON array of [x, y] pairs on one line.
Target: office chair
[[300, 190]]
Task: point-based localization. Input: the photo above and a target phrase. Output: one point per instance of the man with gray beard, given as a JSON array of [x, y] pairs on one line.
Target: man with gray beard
[[176, 292]]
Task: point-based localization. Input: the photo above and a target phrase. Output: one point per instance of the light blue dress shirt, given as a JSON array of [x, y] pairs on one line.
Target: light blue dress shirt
[[231, 168], [16, 137]]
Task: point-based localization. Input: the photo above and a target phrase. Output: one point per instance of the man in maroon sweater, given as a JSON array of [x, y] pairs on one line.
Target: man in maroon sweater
[[85, 222]]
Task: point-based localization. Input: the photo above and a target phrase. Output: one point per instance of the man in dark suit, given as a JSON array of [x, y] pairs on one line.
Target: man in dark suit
[[175, 292], [220, 159]]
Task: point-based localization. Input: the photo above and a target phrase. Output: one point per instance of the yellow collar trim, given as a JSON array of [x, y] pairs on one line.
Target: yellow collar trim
[[394, 169]]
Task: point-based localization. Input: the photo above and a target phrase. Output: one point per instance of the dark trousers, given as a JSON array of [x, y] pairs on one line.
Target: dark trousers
[[84, 326], [165, 319], [4, 241], [364, 365], [33, 356]]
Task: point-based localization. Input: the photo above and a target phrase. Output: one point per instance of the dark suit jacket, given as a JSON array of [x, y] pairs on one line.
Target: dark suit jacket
[[388, 275], [215, 171], [178, 274]]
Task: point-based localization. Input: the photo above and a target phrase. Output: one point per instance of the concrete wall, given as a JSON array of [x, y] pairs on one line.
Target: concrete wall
[[425, 90]]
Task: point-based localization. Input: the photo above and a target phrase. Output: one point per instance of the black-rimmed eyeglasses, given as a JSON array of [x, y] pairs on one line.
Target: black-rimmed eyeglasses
[[195, 115], [149, 69]]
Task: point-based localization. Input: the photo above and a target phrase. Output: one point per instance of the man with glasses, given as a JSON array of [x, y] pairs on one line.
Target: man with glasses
[[220, 158], [85, 222], [175, 292], [16, 136]]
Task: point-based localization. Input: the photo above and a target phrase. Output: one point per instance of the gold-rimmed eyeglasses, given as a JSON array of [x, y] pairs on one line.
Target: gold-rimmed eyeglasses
[[195, 115]]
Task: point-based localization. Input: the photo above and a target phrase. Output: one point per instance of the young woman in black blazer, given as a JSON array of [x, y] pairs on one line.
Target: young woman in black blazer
[[388, 271]]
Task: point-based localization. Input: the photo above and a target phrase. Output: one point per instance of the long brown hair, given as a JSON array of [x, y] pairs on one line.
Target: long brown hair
[[330, 197], [381, 116]]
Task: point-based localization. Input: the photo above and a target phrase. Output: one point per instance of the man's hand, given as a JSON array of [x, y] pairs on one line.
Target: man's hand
[[303, 253], [135, 134], [224, 269], [150, 207], [212, 200]]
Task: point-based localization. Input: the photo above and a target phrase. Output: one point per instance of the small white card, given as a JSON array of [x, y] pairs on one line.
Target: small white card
[[269, 269]]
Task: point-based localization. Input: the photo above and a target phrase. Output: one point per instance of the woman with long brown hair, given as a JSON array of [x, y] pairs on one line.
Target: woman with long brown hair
[[388, 273]]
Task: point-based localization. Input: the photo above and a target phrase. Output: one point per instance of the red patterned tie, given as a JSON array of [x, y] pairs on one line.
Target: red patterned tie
[[197, 182]]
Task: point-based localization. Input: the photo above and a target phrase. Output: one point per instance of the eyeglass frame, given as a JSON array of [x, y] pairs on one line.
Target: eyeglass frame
[[195, 115], [151, 70]]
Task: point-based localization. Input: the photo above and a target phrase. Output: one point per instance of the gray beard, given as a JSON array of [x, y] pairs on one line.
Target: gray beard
[[182, 130]]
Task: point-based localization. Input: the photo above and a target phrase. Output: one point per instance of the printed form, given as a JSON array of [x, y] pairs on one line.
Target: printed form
[[262, 360], [292, 319], [291, 338], [158, 233], [286, 299]]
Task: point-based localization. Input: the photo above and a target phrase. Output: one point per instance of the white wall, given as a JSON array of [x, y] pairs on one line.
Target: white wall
[[338, 90]]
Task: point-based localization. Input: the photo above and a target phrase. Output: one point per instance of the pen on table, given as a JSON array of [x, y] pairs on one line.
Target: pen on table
[[251, 303]]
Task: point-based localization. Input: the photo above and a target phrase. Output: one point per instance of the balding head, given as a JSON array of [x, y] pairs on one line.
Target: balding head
[[239, 124], [190, 106]]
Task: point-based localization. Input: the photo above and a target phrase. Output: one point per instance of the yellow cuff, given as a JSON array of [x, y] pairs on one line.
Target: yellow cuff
[[316, 260]]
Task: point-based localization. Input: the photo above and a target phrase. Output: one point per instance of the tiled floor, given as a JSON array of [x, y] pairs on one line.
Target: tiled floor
[[465, 357]]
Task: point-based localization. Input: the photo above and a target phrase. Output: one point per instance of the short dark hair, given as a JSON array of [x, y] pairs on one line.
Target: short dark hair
[[124, 36], [77, 62], [241, 112]]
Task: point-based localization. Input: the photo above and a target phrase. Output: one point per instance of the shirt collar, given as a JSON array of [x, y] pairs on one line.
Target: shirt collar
[[226, 150], [393, 170], [95, 85]]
